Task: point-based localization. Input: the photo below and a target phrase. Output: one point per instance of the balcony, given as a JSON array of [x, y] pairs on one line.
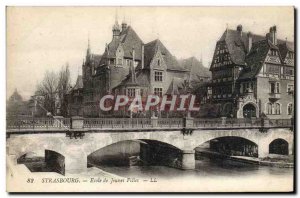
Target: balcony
[[274, 96]]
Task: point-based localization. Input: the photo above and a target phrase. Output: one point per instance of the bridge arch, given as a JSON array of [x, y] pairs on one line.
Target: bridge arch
[[200, 137], [137, 152], [279, 146], [173, 139]]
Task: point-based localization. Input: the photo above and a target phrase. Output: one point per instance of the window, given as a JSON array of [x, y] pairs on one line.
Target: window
[[289, 71], [112, 61], [158, 62], [269, 108], [119, 61], [290, 89], [273, 52], [277, 109], [158, 92], [290, 109], [274, 87], [273, 69], [131, 92], [158, 76]]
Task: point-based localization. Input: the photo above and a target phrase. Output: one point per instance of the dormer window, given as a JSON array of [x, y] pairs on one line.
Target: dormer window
[[273, 52]]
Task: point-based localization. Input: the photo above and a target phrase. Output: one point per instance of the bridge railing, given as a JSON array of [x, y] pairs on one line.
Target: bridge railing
[[115, 123], [241, 123], [280, 122], [138, 123], [38, 123], [207, 123], [170, 122]]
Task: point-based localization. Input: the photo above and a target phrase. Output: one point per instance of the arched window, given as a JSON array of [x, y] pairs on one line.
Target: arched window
[[277, 109], [290, 109], [269, 108], [158, 62]]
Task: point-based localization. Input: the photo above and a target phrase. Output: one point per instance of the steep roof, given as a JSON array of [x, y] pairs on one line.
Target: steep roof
[[128, 39], [255, 59], [15, 97], [79, 83], [285, 47], [151, 48], [195, 67], [238, 44]]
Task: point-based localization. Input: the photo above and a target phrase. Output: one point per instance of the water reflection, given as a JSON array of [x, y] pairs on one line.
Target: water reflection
[[205, 167]]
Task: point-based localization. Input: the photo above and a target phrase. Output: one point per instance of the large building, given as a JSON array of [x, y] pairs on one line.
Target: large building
[[253, 75], [128, 66]]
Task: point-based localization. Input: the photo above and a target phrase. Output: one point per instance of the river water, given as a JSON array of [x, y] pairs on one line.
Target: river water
[[205, 168]]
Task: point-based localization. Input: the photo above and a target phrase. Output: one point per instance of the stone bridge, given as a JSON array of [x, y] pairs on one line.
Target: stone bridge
[[76, 151]]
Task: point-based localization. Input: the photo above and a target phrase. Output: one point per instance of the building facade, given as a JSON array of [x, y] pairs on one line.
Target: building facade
[[253, 75], [130, 67]]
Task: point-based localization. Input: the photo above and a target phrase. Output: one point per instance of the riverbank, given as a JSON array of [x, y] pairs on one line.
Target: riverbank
[[272, 160]]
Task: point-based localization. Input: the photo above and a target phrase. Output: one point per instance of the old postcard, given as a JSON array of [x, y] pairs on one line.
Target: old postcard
[[150, 99]]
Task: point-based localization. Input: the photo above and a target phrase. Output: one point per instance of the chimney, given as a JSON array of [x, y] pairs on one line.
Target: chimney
[[273, 35], [249, 41], [239, 28], [132, 69], [143, 54]]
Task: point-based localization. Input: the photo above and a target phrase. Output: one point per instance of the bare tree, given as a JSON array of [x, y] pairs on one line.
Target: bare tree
[[48, 89], [63, 87]]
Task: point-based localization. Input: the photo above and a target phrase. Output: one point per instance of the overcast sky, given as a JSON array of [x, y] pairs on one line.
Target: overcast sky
[[40, 39]]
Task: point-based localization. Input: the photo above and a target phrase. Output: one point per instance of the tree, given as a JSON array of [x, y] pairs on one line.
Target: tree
[[48, 90], [63, 87]]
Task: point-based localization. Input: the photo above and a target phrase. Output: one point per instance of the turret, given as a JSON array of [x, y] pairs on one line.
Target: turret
[[124, 25], [88, 51], [116, 30]]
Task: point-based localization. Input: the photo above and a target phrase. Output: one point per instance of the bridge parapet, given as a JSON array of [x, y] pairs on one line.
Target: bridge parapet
[[79, 123]]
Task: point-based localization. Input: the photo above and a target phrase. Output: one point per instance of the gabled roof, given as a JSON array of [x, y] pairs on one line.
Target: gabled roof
[[235, 45], [255, 59], [150, 50], [238, 44]]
